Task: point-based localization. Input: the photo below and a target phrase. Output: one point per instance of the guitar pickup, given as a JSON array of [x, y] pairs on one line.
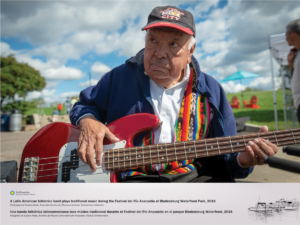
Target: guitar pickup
[[30, 169]]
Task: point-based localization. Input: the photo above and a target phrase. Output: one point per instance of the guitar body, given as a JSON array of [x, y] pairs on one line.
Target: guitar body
[[48, 154]]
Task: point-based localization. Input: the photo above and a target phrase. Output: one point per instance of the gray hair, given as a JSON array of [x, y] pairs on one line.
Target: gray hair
[[191, 44], [293, 26]]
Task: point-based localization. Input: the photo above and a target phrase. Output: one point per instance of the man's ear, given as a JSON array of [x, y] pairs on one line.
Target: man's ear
[[191, 54]]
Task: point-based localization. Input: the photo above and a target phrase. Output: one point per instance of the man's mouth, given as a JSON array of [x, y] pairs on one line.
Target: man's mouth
[[158, 67]]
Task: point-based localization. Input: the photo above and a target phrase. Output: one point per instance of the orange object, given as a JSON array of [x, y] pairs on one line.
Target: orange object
[[235, 103], [59, 107], [252, 103]]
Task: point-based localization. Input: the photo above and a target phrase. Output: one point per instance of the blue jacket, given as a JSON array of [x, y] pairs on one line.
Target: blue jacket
[[125, 90]]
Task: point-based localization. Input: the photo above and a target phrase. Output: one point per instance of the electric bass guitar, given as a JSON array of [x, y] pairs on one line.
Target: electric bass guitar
[[51, 154]]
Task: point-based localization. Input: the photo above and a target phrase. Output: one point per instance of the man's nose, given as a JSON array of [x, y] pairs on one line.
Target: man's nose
[[161, 51]]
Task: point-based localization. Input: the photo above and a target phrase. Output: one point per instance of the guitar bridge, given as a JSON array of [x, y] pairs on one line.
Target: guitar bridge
[[30, 169]]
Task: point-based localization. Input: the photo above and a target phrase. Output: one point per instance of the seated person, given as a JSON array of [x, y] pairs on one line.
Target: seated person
[[165, 79]]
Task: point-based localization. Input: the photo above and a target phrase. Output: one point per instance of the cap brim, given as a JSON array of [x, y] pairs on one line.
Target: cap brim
[[167, 24]]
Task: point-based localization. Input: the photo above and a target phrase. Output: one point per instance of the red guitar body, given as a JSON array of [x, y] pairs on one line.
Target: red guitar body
[[47, 143]]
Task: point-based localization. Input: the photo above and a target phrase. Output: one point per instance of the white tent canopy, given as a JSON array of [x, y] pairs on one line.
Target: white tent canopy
[[279, 48]]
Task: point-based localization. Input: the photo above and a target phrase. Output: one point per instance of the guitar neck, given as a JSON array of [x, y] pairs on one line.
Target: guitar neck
[[124, 158]]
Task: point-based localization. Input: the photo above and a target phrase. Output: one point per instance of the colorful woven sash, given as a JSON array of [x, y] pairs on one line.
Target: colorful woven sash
[[192, 124]]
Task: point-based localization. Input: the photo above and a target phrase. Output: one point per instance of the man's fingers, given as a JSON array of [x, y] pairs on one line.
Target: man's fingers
[[272, 146], [81, 150], [111, 136], [98, 150], [263, 129], [90, 155], [251, 156], [260, 155]]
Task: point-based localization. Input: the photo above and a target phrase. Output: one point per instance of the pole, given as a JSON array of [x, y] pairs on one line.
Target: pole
[[242, 93], [283, 96], [274, 94]]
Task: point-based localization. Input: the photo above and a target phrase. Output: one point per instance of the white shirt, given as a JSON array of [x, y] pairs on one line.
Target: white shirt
[[166, 106]]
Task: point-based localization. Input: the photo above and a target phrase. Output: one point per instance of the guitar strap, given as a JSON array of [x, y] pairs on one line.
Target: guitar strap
[[192, 124]]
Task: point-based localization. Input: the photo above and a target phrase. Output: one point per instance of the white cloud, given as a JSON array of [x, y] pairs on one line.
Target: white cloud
[[98, 69], [62, 72], [87, 83], [231, 87], [265, 83]]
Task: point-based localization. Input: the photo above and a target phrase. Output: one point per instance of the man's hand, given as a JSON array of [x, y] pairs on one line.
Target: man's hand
[[291, 57], [257, 150], [92, 133]]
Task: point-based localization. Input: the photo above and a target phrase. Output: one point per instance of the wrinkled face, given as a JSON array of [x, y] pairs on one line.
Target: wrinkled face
[[166, 55]]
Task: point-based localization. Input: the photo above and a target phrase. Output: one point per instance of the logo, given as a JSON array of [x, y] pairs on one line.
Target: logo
[[12, 193], [171, 13]]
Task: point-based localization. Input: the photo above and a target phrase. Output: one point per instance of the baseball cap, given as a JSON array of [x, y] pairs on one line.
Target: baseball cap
[[171, 16]]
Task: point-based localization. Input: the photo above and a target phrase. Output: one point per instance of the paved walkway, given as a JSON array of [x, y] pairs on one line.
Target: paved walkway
[[12, 144]]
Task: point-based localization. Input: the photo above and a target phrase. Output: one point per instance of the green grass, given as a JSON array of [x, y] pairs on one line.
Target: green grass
[[264, 115], [47, 111]]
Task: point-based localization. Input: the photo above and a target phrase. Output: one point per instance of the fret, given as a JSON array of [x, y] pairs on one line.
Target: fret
[[244, 140], [113, 159], [195, 149], [108, 160], [143, 156], [124, 157], [206, 147], [175, 152], [129, 153], [184, 150], [257, 135], [136, 156], [293, 136], [218, 146], [119, 158], [150, 154], [158, 156], [275, 138], [166, 153], [230, 144]]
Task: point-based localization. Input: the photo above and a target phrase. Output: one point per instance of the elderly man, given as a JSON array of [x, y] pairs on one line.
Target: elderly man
[[293, 39], [165, 79]]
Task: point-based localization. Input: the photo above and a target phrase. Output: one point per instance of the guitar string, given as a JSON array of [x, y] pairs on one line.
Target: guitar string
[[236, 140], [80, 171], [183, 151], [126, 166]]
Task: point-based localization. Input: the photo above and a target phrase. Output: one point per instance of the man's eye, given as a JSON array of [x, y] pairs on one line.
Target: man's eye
[[174, 44], [152, 40]]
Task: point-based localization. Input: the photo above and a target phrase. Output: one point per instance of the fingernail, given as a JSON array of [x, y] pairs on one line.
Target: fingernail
[[94, 170], [250, 143], [248, 148], [117, 139], [256, 140], [98, 163]]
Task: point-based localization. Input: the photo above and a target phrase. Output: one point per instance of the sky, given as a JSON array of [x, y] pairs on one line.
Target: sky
[[67, 41]]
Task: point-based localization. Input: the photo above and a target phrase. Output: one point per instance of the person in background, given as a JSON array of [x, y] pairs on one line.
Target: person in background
[[54, 115], [293, 39], [73, 101], [68, 105], [59, 107]]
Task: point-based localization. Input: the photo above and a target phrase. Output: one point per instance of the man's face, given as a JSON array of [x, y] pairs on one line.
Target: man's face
[[290, 38], [166, 55]]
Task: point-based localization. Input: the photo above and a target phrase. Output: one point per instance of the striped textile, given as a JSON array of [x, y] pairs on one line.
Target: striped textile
[[192, 124]]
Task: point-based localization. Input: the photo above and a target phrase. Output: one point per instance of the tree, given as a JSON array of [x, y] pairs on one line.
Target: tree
[[18, 78]]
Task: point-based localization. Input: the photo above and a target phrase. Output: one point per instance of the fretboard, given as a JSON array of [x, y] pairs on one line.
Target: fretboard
[[124, 158]]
